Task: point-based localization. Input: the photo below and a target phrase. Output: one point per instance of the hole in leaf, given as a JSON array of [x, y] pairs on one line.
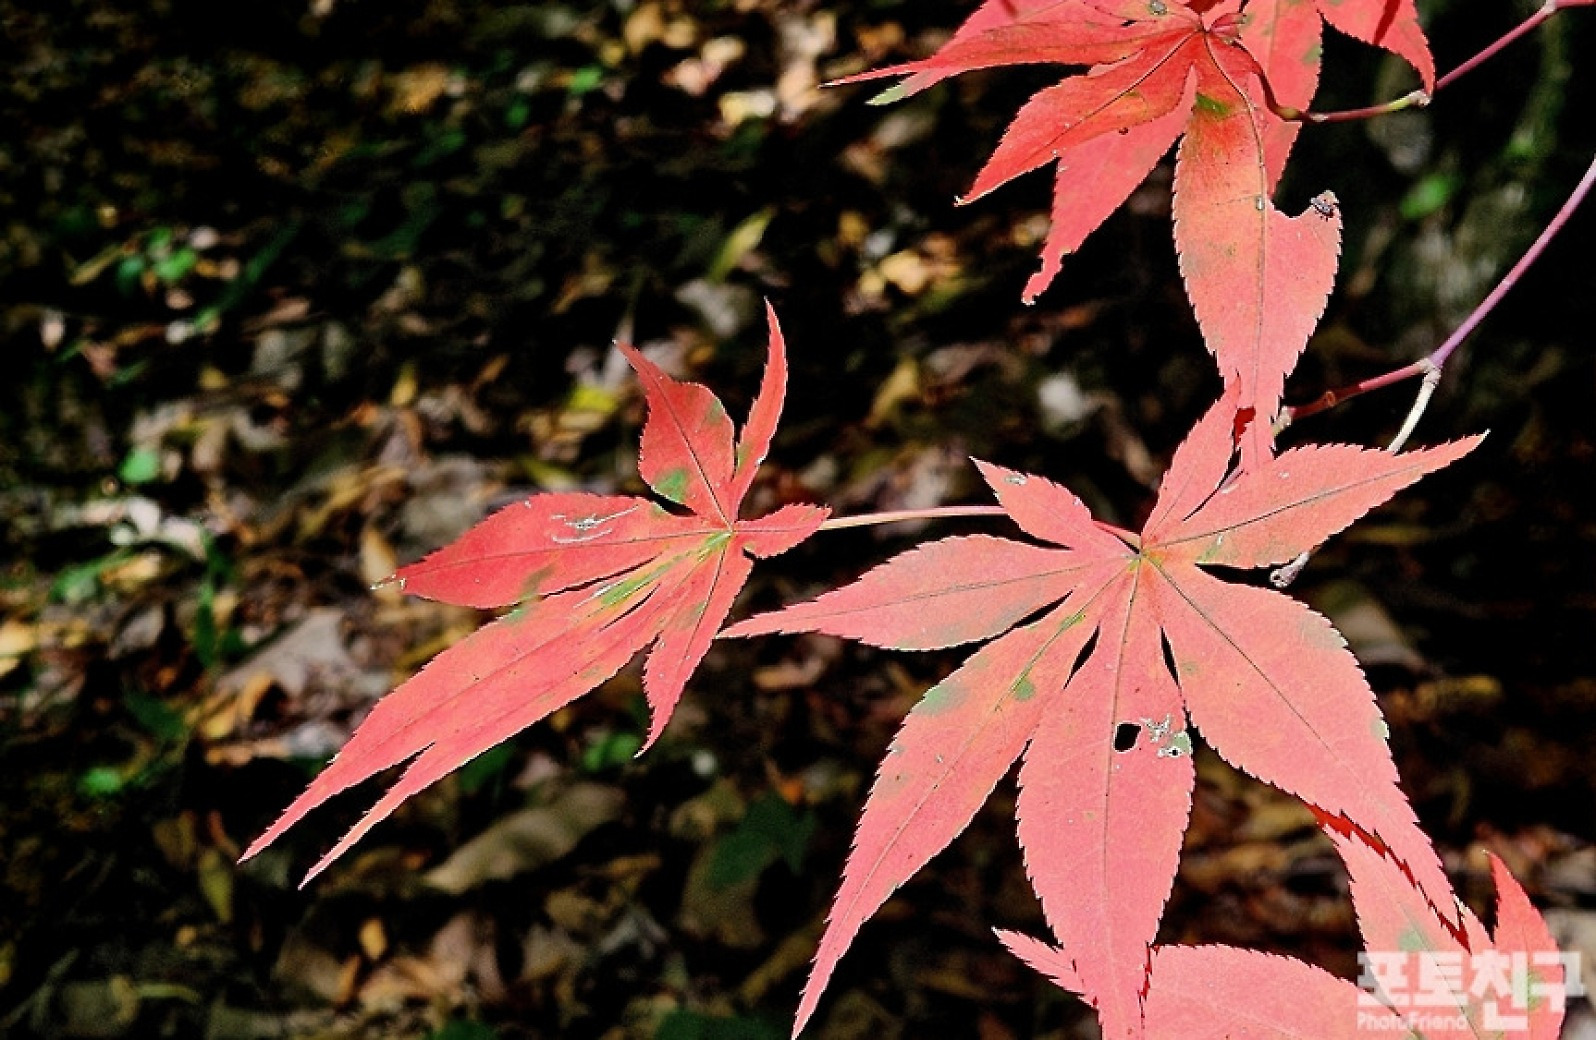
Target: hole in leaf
[[1086, 652], [1125, 735]]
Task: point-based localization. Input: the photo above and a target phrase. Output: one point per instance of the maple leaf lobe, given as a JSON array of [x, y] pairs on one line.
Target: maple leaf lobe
[[1100, 815], [600, 579]]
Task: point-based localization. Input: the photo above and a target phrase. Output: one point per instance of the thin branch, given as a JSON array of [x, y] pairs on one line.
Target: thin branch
[[1330, 398], [1430, 367], [1577, 196], [1421, 98], [1432, 379], [1412, 99], [1545, 11]]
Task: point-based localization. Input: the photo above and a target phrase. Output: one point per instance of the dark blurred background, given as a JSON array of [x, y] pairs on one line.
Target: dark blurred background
[[291, 292]]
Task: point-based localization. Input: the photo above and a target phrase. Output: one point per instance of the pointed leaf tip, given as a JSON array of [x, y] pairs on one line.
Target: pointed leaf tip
[[687, 454], [1289, 504], [1048, 511], [763, 415], [1257, 278], [1045, 959], [954, 746]]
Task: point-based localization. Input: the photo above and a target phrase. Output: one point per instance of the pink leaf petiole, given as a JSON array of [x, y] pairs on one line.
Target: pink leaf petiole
[[895, 516]]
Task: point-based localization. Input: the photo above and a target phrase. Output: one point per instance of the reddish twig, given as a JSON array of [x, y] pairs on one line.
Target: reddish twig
[[1412, 99], [1330, 398], [1430, 367], [1545, 11]]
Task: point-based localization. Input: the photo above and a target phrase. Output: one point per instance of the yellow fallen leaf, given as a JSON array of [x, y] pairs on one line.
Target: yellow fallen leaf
[[377, 563], [373, 939], [17, 640], [216, 883]]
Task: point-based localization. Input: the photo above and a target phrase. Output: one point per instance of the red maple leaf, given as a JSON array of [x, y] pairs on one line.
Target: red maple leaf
[[602, 577], [1420, 979], [1257, 278], [1136, 637]]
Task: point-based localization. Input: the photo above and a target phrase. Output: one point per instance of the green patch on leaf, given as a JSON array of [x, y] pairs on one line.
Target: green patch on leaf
[[529, 588], [672, 484], [1531, 989], [1024, 688], [1071, 621], [1412, 940], [940, 698], [622, 591], [1177, 746], [1212, 106]]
